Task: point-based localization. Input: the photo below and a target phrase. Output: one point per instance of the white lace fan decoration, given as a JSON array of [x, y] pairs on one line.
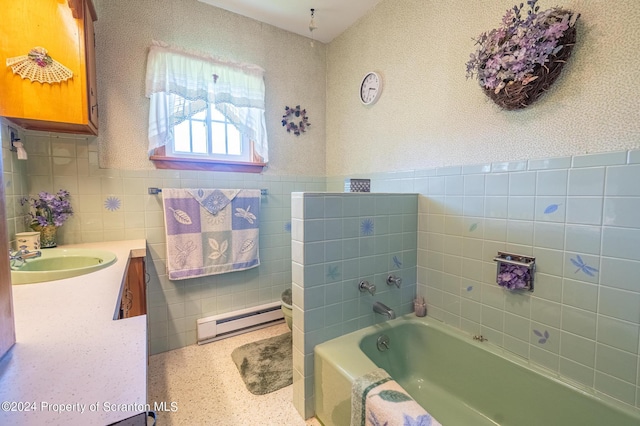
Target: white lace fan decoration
[[39, 66]]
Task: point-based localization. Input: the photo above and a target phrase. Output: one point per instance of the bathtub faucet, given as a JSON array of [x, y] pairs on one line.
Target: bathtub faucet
[[365, 286], [382, 309], [393, 280]]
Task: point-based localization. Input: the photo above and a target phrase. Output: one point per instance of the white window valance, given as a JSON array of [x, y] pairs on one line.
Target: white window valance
[[181, 83]]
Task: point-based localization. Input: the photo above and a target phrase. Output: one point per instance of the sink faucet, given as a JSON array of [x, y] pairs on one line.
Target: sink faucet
[[23, 254], [382, 309]]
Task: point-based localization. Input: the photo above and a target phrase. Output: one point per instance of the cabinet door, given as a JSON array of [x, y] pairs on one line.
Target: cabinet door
[[125, 300], [90, 59], [58, 107], [137, 286]]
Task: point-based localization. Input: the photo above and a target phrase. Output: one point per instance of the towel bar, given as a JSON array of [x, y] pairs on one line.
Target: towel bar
[[155, 191]]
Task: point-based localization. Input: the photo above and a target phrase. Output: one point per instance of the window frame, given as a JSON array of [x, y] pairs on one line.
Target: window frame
[[164, 161], [165, 158], [209, 120]]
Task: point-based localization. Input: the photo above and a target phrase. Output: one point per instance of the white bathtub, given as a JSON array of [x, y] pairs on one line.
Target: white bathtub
[[458, 380]]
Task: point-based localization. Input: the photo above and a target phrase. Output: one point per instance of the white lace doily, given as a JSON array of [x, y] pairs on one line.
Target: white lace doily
[[39, 66]]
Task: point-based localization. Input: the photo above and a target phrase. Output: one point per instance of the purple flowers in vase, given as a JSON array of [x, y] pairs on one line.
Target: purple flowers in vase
[[49, 209]]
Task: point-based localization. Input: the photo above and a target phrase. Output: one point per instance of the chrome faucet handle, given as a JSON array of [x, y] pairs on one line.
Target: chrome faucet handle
[[15, 256], [364, 285], [394, 280], [22, 254]]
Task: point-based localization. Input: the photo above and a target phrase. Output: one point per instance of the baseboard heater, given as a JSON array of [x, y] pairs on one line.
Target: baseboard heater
[[233, 323]]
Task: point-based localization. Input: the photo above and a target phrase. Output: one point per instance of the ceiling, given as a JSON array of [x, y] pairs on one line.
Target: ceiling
[[332, 17]]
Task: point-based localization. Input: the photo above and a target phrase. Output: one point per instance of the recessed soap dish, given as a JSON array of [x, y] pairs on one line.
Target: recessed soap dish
[[515, 271]]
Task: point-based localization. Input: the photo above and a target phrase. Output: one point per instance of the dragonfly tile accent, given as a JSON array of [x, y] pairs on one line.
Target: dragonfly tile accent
[[582, 266]]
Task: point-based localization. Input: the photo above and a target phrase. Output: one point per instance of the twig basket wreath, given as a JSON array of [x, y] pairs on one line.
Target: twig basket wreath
[[517, 62]]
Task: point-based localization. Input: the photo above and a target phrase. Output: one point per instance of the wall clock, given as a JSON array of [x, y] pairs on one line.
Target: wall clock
[[370, 88]]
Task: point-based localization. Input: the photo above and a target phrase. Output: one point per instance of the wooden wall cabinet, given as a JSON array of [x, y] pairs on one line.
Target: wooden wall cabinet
[[134, 293], [65, 29]]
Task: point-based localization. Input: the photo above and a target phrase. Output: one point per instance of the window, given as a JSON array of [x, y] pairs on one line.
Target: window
[[210, 134], [205, 113]]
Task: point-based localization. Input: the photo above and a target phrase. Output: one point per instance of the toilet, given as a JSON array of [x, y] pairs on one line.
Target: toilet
[[287, 308]]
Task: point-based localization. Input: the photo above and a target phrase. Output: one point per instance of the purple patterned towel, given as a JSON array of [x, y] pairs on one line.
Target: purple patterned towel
[[378, 400], [211, 231]]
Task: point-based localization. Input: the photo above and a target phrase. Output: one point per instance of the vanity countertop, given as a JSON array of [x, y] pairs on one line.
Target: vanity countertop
[[72, 362]]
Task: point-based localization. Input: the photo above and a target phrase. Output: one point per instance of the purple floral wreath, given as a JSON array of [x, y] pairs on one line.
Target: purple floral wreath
[[295, 120]]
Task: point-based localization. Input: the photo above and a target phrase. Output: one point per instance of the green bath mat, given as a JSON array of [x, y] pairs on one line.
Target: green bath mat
[[265, 365]]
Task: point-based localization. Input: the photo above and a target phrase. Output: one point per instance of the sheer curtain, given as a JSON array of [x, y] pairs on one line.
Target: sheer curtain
[[181, 83]]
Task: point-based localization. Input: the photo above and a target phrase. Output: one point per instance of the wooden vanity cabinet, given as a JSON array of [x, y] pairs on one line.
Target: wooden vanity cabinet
[[134, 293], [65, 29]]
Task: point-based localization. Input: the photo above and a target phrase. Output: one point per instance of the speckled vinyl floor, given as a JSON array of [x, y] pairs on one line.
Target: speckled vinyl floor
[[206, 387]]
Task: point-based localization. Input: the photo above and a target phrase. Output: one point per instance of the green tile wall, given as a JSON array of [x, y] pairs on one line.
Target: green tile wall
[[579, 217], [338, 240], [554, 209], [114, 204]]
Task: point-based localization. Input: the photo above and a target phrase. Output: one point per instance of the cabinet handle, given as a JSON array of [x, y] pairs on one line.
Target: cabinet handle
[[94, 107]]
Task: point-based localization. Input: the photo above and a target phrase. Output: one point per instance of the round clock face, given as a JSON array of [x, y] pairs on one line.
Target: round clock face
[[370, 88]]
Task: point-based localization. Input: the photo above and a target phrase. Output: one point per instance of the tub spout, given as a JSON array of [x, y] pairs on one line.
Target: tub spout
[[382, 309]]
